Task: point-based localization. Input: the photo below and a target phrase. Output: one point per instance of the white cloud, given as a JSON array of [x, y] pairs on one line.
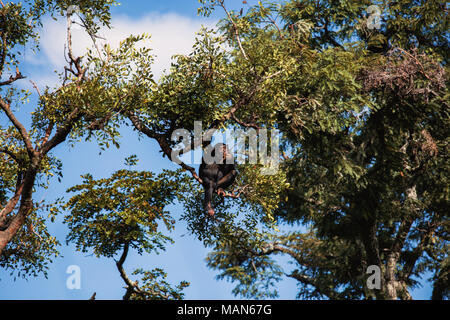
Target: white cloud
[[170, 34]]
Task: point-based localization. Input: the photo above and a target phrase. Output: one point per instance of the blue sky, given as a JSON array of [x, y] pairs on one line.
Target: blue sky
[[172, 25]]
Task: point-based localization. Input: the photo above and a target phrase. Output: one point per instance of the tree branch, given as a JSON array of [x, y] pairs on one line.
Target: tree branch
[[61, 133], [236, 193], [235, 28], [161, 139], [72, 60], [328, 35], [328, 292], [243, 100], [12, 79], [120, 263], [23, 132], [245, 124], [272, 21], [402, 233], [10, 154], [417, 253], [132, 287]]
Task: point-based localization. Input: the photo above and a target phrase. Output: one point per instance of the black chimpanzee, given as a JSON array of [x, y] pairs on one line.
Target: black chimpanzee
[[217, 175]]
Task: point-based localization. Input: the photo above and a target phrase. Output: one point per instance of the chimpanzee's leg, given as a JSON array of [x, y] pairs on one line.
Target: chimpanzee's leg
[[210, 187]]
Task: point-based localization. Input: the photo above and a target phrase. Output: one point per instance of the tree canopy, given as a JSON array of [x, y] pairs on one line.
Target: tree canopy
[[363, 116]]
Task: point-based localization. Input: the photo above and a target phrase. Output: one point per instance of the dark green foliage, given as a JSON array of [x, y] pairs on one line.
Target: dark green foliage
[[366, 128]]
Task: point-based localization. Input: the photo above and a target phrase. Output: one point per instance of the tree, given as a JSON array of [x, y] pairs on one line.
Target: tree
[[362, 113], [87, 104], [120, 213], [366, 136], [26, 153]]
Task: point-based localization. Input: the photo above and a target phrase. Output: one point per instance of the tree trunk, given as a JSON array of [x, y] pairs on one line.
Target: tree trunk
[[26, 205], [391, 282], [392, 286]]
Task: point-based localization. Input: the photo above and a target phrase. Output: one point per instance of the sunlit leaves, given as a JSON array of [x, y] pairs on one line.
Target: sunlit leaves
[[155, 286], [125, 208]]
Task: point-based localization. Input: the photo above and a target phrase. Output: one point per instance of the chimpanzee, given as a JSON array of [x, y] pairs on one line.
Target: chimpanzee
[[217, 175]]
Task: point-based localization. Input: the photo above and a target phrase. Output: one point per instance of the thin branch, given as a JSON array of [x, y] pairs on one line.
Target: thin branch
[[73, 61], [12, 79], [36, 234], [276, 26], [48, 132], [328, 35], [236, 31], [402, 233], [93, 37], [417, 62], [236, 193], [49, 129], [69, 41], [245, 124], [244, 99], [161, 139], [328, 292], [11, 154], [36, 87], [132, 287], [407, 270]]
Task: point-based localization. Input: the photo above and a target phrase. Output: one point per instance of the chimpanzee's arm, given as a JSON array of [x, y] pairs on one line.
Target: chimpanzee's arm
[[227, 180]]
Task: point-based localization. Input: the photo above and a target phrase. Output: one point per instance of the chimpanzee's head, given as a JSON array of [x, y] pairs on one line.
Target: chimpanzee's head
[[223, 154]]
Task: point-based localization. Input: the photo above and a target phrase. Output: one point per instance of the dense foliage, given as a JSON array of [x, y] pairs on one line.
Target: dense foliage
[[363, 115]]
